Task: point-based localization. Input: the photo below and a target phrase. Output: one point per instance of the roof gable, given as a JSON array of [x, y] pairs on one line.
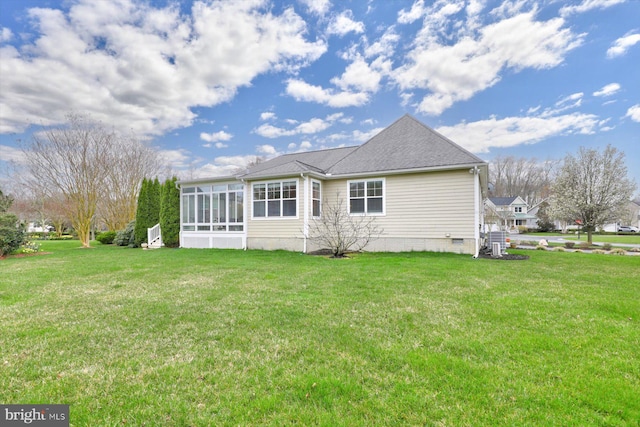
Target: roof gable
[[404, 145]]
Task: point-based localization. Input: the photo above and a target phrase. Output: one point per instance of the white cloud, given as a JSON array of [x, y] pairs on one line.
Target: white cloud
[[303, 91], [11, 154], [319, 7], [223, 166], [221, 145], [623, 44], [5, 35], [177, 159], [216, 136], [343, 24], [312, 126], [588, 5], [363, 136], [266, 149], [135, 66], [607, 90], [267, 115], [416, 12], [360, 77], [305, 145], [634, 113], [453, 67], [482, 135], [292, 146]]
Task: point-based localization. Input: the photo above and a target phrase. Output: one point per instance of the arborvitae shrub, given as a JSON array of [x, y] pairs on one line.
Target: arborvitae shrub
[[170, 214]]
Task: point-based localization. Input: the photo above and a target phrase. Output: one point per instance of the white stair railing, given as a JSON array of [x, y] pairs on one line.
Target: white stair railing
[[154, 236]]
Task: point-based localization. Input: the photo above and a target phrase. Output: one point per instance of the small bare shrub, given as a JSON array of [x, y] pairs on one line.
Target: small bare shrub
[[598, 251], [606, 246], [569, 245], [634, 250], [618, 251], [584, 245]]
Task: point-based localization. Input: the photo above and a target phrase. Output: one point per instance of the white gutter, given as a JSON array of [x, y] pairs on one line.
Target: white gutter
[[245, 218], [305, 224], [476, 209]]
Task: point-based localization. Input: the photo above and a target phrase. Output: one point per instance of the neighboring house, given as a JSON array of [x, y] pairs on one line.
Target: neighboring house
[[508, 213], [631, 217], [425, 192]]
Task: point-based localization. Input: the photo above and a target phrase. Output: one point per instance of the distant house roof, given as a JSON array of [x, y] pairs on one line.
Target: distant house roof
[[502, 201], [405, 145]]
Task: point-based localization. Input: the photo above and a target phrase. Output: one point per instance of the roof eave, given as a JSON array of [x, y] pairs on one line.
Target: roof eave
[[407, 171]]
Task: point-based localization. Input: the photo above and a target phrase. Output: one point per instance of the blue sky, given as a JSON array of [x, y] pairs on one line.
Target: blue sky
[[213, 84]]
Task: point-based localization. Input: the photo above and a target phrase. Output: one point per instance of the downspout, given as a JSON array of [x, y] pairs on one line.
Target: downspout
[[245, 208], [305, 220], [476, 209]]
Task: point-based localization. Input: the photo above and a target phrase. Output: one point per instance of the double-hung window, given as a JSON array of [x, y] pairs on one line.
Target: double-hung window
[[366, 197], [315, 198], [275, 199]]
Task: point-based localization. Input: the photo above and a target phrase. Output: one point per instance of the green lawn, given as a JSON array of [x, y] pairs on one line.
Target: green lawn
[[180, 337]]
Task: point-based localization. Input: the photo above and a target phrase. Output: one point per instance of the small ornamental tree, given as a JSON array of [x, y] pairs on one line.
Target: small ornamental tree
[[340, 232], [592, 187], [170, 214]]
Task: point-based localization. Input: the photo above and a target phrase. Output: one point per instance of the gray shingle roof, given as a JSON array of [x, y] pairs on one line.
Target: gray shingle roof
[[502, 201], [310, 161], [404, 145]]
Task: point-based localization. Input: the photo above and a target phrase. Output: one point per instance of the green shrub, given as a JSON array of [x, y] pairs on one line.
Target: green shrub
[[106, 237], [584, 245], [569, 245], [126, 237], [11, 235], [170, 214]]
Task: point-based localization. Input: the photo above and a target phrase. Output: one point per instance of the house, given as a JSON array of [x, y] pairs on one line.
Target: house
[[508, 213], [631, 216], [424, 191]]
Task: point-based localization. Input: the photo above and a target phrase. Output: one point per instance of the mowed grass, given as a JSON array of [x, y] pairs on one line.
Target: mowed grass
[[181, 337]]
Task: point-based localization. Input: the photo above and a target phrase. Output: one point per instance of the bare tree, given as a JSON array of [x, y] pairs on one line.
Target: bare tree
[[71, 159], [340, 232], [527, 178], [130, 161], [593, 188]]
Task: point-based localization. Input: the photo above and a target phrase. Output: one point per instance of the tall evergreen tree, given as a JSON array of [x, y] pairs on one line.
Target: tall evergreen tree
[[140, 230], [170, 214]]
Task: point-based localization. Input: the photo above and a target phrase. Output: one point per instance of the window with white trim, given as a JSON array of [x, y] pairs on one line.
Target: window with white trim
[[213, 208], [275, 199], [316, 197], [366, 197]]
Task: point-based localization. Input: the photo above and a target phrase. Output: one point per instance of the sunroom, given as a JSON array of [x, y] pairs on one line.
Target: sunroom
[[212, 214]]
